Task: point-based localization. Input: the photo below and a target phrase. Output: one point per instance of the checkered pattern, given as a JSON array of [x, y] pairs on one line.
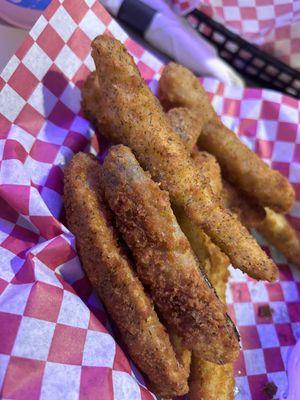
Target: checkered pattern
[[273, 25], [55, 338]]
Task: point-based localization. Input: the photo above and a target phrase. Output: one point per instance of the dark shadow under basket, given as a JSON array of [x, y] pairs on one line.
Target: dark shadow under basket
[[252, 63]]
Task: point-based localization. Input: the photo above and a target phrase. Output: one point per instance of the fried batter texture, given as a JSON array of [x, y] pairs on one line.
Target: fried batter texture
[[165, 261], [109, 271], [208, 381], [184, 123], [179, 87], [249, 213], [128, 113], [276, 229], [273, 226]]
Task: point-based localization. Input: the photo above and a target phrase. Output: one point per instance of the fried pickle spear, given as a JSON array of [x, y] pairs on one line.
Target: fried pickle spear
[[208, 381], [250, 214], [184, 123], [128, 113], [179, 87], [164, 259], [276, 229], [109, 271]]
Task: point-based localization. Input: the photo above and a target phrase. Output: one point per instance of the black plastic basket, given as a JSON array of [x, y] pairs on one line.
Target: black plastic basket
[[252, 63]]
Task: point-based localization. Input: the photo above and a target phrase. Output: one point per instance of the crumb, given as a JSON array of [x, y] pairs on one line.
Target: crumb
[[265, 311], [270, 390]]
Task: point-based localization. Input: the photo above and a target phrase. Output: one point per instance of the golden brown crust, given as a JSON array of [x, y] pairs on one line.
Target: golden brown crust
[[179, 87], [250, 214], [278, 231], [164, 259], [245, 169], [210, 169], [128, 113], [215, 262], [184, 93], [186, 124], [108, 268], [208, 381]]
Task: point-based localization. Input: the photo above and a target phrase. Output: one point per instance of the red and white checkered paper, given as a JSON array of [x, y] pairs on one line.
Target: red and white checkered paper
[[55, 339], [273, 25]]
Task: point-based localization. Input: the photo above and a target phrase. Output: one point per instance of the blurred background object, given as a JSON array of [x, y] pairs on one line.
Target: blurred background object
[[16, 18], [10, 39], [174, 36], [258, 67], [22, 13]]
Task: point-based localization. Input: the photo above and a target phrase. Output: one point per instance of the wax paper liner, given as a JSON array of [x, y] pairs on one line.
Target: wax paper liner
[[55, 338], [273, 25]]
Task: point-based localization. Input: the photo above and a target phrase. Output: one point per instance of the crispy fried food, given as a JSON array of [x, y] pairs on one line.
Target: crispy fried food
[[179, 87], [165, 261], [183, 354], [186, 124], [276, 229], [210, 169], [128, 113], [215, 262], [108, 268], [208, 381], [250, 214]]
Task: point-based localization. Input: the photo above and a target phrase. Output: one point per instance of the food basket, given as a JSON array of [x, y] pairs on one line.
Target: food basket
[[255, 65], [56, 340]]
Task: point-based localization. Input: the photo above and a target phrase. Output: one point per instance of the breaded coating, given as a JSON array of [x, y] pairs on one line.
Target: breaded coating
[[250, 214], [214, 261], [110, 273], [210, 169], [164, 259], [208, 381], [183, 354], [179, 87], [128, 113], [186, 124], [245, 169], [277, 230]]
